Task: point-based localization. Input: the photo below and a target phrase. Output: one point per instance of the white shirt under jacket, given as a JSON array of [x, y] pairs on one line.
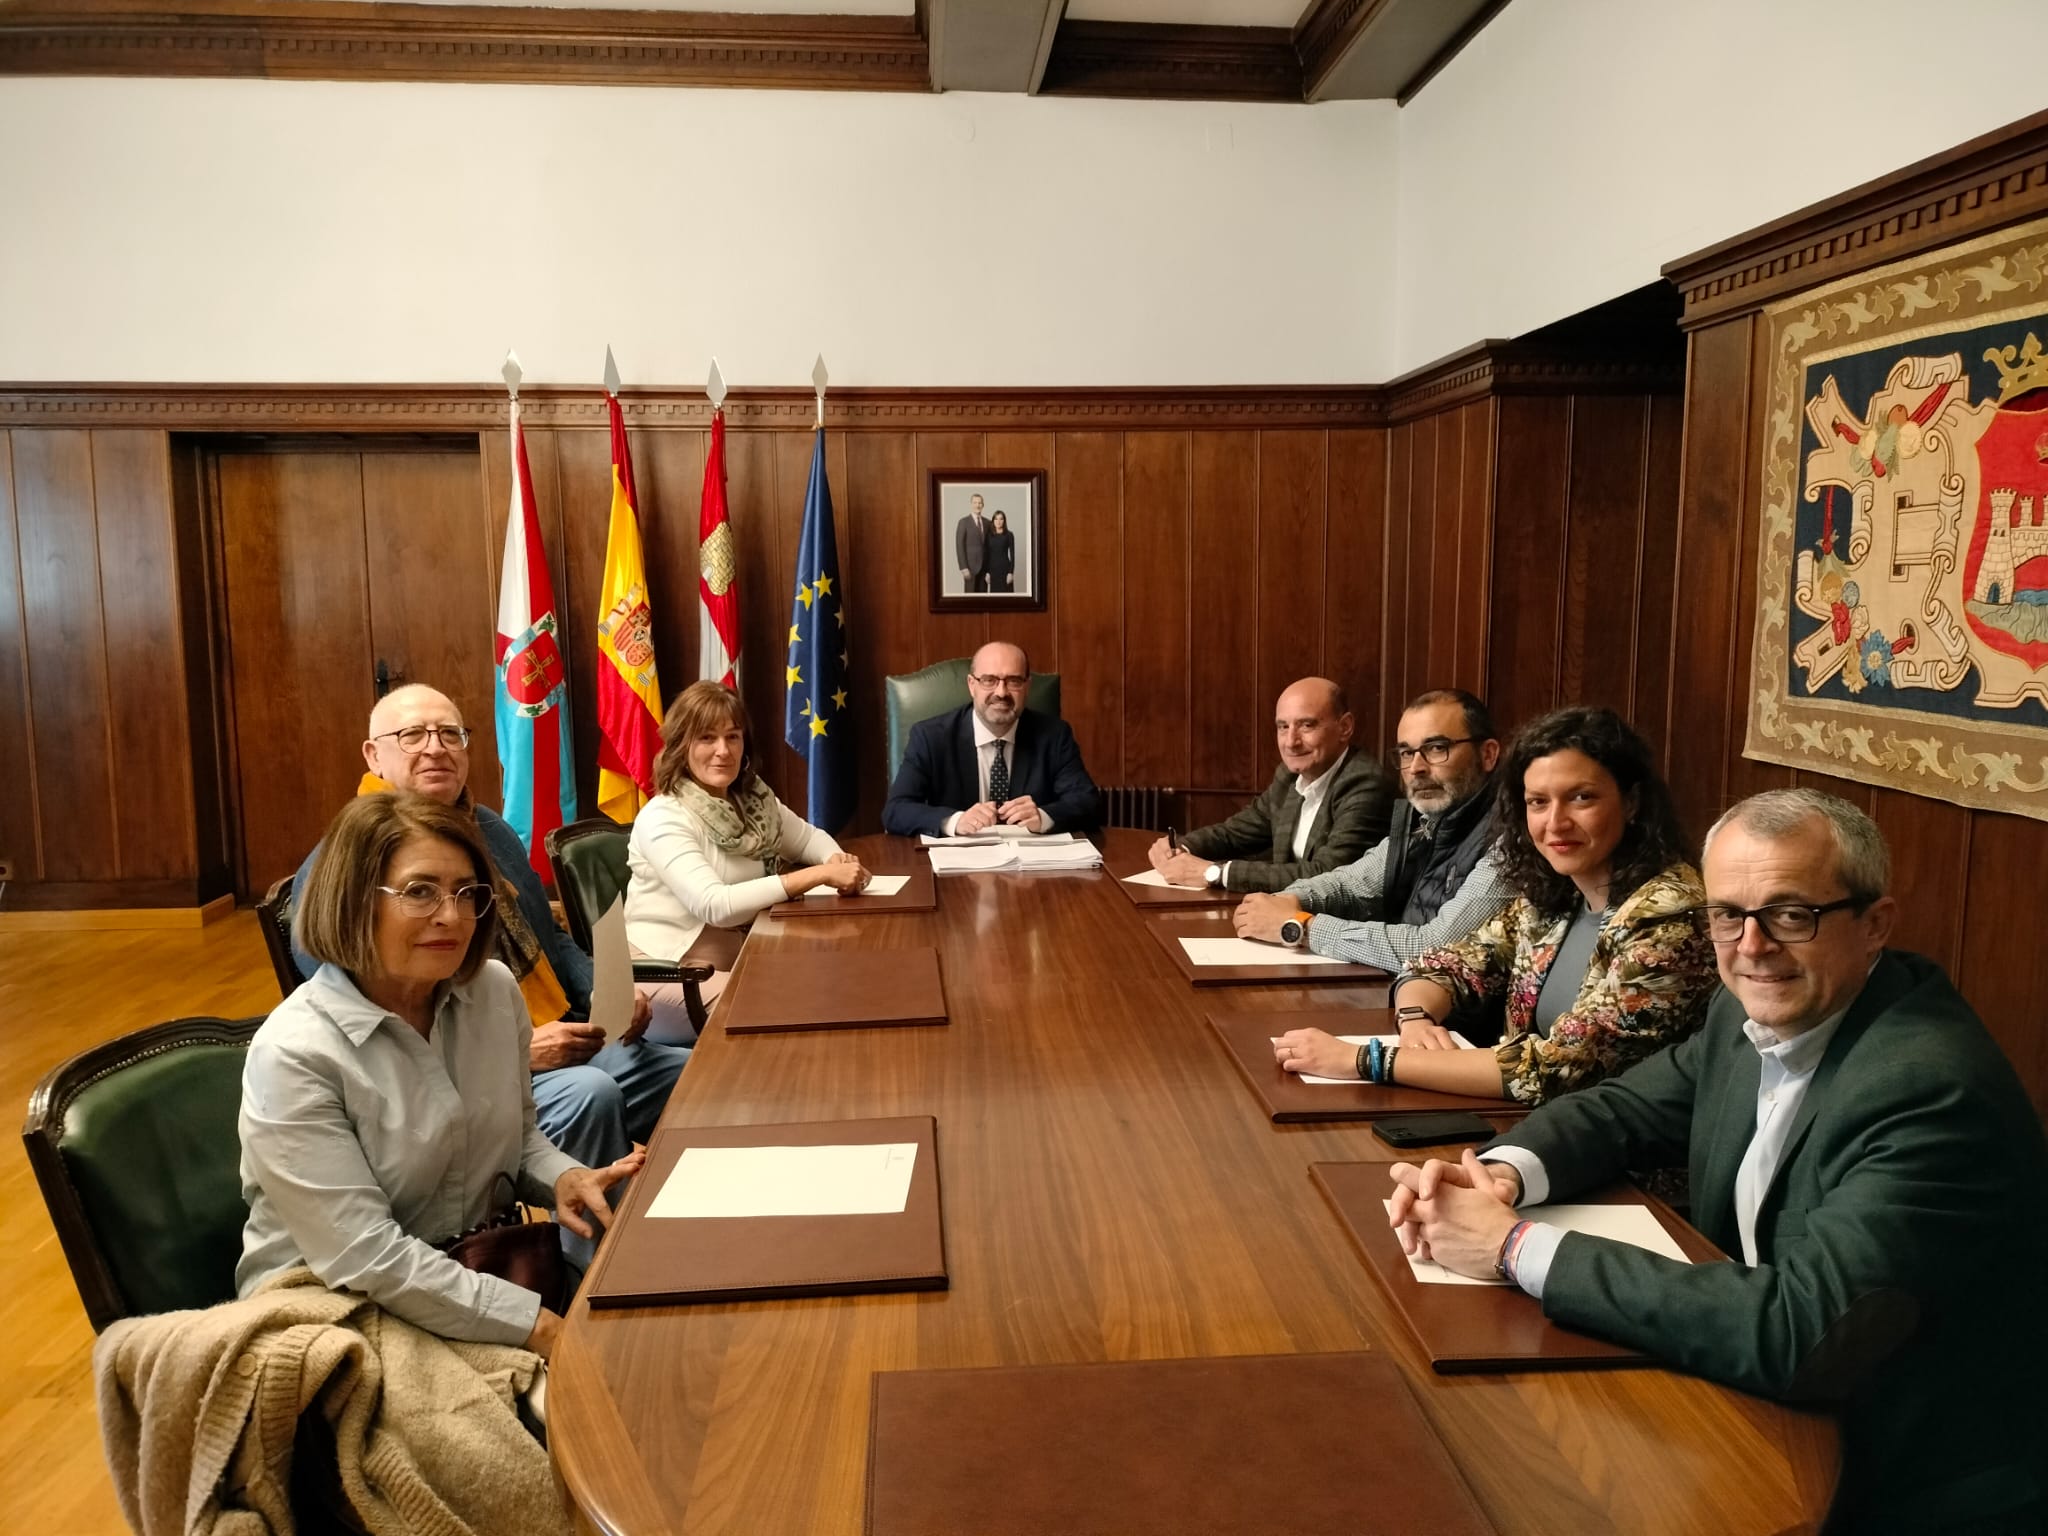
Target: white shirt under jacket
[[682, 880], [363, 1145]]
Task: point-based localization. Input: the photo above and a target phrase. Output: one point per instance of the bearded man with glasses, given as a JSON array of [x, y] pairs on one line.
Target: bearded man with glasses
[[1858, 1145], [594, 1100]]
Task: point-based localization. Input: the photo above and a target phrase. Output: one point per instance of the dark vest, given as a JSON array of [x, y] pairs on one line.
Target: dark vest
[[1422, 874]]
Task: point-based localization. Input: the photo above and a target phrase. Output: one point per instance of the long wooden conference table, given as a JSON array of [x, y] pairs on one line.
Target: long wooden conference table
[[1111, 1191]]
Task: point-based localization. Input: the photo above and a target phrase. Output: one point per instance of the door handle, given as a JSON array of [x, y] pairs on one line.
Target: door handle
[[385, 678]]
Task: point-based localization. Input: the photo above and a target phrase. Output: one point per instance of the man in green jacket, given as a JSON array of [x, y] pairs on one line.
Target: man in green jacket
[[1858, 1145], [1326, 805]]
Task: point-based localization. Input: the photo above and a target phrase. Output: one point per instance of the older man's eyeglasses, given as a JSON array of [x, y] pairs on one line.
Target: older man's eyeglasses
[[423, 898], [414, 738], [999, 679], [1435, 750], [1786, 922]]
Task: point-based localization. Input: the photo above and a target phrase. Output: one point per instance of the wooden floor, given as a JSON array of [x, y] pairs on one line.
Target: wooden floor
[[58, 994]]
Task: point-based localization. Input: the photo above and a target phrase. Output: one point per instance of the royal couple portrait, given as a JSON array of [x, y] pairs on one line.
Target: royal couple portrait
[[985, 549]]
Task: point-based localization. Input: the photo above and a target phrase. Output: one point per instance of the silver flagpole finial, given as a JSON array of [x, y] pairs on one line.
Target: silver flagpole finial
[[715, 386], [512, 372], [819, 377], [611, 372]]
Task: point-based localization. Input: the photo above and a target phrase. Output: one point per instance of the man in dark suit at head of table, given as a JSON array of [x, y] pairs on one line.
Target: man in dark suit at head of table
[[992, 760], [1861, 1149], [1326, 805]]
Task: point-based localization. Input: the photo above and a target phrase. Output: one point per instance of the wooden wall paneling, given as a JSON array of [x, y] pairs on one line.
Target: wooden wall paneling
[[962, 634], [668, 472], [20, 806], [1222, 683], [1293, 483], [1158, 467], [583, 465], [887, 590], [1448, 532], [1709, 632], [296, 605], [63, 626], [2003, 968], [1419, 573], [1037, 632], [1931, 845], [1354, 574], [1746, 776], [1394, 692], [1657, 572], [765, 593], [204, 644], [1475, 548], [146, 661], [1596, 654], [792, 466], [1088, 589], [1533, 469]]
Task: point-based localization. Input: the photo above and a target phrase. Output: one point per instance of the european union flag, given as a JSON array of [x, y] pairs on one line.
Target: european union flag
[[816, 723]]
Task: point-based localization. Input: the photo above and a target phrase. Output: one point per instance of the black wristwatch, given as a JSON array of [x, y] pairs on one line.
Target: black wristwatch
[[1295, 929]]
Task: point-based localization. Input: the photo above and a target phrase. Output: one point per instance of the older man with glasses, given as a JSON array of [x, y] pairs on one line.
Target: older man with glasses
[[992, 761], [1860, 1148], [1432, 879], [593, 1100]]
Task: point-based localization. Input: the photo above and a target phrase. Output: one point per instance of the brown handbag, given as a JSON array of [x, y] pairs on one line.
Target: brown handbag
[[508, 1245]]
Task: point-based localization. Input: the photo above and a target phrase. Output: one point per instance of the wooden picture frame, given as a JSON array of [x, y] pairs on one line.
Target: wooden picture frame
[[1011, 574]]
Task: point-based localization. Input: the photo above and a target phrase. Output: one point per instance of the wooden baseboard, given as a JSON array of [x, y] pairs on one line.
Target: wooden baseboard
[[83, 920]]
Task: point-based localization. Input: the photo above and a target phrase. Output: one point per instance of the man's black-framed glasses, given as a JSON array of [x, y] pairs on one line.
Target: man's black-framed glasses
[[1000, 679], [414, 738], [1436, 750], [423, 898], [1786, 922]]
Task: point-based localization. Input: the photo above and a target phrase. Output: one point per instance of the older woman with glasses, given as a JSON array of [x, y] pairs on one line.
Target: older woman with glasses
[[715, 848], [384, 1099], [1600, 960]]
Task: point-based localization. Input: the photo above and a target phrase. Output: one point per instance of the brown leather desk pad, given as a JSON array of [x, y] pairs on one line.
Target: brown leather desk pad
[[1479, 1327], [1309, 1445], [1248, 1040], [1167, 931], [920, 895], [1124, 853], [660, 1261], [836, 989]]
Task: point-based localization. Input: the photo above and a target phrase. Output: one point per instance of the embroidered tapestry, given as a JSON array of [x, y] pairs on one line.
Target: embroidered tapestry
[[1902, 594]]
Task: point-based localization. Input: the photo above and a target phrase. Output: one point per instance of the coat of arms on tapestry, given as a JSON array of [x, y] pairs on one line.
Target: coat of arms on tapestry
[[1902, 594]]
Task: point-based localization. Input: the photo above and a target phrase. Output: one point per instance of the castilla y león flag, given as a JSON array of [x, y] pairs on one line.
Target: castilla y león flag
[[628, 692], [718, 637], [533, 684]]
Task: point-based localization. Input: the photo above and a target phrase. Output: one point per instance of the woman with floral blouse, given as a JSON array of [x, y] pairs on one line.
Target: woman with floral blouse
[[1599, 962]]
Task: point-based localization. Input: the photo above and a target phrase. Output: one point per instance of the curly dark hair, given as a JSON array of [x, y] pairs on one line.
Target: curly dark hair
[[1653, 840]]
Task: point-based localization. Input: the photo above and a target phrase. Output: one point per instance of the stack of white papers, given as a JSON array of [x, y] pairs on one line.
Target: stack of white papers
[[1016, 855], [990, 836], [1633, 1224], [1250, 952], [878, 885], [1358, 1040]]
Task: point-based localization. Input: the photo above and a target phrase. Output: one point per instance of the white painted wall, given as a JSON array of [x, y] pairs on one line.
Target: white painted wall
[[1576, 146], [255, 231]]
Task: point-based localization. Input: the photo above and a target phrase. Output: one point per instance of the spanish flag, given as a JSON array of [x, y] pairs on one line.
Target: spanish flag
[[628, 692]]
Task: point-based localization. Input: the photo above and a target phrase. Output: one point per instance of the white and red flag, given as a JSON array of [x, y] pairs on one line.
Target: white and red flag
[[718, 638]]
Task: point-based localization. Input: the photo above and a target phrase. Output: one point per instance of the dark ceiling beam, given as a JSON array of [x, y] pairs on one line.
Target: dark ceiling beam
[[1375, 49], [989, 45], [1109, 58], [324, 40]]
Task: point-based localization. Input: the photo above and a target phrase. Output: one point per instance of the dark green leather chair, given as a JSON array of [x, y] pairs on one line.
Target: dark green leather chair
[[589, 859], [916, 696], [135, 1148]]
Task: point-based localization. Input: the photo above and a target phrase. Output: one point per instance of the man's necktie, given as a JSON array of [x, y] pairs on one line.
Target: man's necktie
[[998, 778]]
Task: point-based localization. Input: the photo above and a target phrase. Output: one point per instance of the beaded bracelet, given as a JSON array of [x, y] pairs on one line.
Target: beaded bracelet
[[1364, 1068], [1503, 1263]]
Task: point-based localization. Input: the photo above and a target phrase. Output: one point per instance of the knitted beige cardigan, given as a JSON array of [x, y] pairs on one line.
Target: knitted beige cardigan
[[199, 1412]]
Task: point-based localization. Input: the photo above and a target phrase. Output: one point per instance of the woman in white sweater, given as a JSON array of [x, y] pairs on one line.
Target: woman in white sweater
[[714, 848]]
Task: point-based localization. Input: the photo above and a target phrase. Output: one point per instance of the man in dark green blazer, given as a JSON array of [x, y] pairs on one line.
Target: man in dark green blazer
[[1326, 805], [1861, 1148]]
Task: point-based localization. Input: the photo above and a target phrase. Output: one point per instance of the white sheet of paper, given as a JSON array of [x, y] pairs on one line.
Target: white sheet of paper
[[996, 834], [1623, 1223], [611, 972], [972, 858], [1249, 952], [1153, 877], [1355, 1041], [878, 885], [869, 1179]]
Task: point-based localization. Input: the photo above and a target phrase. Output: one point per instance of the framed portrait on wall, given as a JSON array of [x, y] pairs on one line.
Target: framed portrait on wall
[[988, 539]]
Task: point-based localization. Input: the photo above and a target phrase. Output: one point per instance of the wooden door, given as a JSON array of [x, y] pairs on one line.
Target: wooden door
[[335, 559]]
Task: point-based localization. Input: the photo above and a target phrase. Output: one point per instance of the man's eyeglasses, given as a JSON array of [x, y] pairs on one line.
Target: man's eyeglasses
[[423, 898], [1786, 922], [413, 738], [998, 679], [1435, 750]]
